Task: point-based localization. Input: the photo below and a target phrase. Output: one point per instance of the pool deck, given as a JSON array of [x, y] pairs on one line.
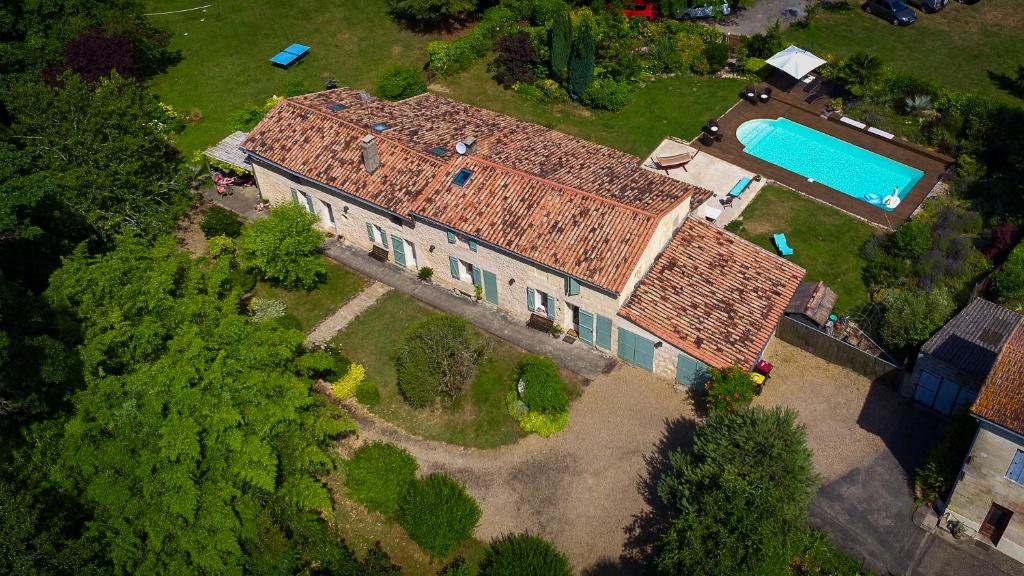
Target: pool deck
[[933, 165]]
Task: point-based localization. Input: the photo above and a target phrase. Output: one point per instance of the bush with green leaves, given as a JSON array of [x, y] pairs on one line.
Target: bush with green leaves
[[425, 273], [458, 567], [246, 118], [437, 359], [438, 514], [218, 221], [607, 94], [378, 475], [911, 316], [729, 389], [541, 386], [447, 58], [765, 44], [542, 424], [934, 479], [266, 309], [816, 555], [284, 247], [524, 555], [717, 55], [428, 13], [911, 239], [1008, 284], [401, 82], [322, 363], [367, 393]]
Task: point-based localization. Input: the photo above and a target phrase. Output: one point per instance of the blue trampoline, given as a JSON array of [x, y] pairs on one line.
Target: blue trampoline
[[289, 55]]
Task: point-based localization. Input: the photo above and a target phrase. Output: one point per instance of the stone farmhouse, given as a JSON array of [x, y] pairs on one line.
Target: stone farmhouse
[[551, 229]]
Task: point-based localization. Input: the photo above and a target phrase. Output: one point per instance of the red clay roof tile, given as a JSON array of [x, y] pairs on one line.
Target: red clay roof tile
[[1002, 396]]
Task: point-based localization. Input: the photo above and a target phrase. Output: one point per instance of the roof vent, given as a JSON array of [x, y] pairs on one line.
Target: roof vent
[[336, 107], [371, 155], [462, 176], [467, 146]]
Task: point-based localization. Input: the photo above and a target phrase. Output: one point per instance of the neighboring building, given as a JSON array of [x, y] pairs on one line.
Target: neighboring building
[[956, 360], [551, 228], [988, 497]]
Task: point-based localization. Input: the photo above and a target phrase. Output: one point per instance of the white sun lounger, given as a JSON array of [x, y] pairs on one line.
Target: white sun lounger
[[853, 122], [881, 133]]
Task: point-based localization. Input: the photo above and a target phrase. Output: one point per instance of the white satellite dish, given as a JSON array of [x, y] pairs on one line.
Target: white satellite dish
[[460, 148]]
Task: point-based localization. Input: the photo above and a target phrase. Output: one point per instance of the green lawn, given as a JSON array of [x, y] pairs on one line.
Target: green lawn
[[827, 241], [957, 48], [675, 106], [309, 307], [227, 48], [480, 419]]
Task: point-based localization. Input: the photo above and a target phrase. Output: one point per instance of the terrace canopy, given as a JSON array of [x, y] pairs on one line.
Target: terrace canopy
[[795, 61], [229, 150]]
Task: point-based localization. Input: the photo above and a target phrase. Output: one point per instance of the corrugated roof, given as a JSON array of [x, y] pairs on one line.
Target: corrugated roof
[[713, 295], [1002, 397], [972, 339], [230, 150]]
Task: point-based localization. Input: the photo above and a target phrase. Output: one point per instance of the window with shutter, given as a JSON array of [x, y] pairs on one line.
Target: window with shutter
[[477, 280], [398, 247], [531, 299], [451, 237], [295, 195], [309, 204], [1016, 471], [490, 287], [552, 307], [586, 326], [572, 286], [454, 262], [369, 232], [472, 245]]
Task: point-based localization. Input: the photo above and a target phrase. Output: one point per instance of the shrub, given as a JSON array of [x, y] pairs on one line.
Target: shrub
[[934, 479], [367, 393], [1008, 283], [218, 221], [284, 247], [378, 474], [425, 273], [691, 53], [437, 513], [322, 363], [757, 67], [459, 567], [429, 12], [218, 246], [523, 554], [969, 168], [766, 44], [250, 115], [347, 385], [912, 239], [515, 59], [729, 389], [447, 58], [93, 55], [438, 357], [717, 56], [542, 387], [297, 87], [543, 425], [401, 82], [911, 316], [816, 555], [561, 42], [265, 309], [607, 94], [581, 60]]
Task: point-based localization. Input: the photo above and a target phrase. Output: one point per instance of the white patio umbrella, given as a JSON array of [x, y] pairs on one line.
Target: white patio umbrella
[[795, 61]]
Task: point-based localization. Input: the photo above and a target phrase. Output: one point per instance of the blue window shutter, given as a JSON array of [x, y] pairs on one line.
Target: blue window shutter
[[531, 299], [644, 353], [490, 287], [626, 342], [477, 281], [472, 245], [552, 307], [369, 231], [586, 326], [398, 246], [604, 332], [454, 262], [309, 204], [572, 286], [1016, 467], [384, 239], [451, 237], [295, 195]]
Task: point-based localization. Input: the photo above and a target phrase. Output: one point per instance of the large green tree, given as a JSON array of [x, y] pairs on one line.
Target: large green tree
[[561, 43], [581, 61], [430, 12], [284, 247], [738, 501], [192, 437]]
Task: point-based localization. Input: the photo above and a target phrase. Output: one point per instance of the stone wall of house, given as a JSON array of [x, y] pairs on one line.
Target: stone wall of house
[[984, 483], [659, 240]]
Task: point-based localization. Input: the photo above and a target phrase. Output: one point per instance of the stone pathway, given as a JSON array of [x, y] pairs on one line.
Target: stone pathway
[[334, 323]]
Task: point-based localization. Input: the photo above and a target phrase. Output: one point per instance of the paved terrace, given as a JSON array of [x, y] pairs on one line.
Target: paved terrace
[[731, 150]]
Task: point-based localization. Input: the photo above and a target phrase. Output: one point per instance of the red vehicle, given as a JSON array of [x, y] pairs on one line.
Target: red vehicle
[[641, 8]]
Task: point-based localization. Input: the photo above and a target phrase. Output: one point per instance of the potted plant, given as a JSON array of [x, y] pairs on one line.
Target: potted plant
[[425, 273], [556, 330]]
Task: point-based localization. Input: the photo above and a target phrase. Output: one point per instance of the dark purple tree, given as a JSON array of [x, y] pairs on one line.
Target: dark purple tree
[[516, 57], [94, 54], [1002, 239]]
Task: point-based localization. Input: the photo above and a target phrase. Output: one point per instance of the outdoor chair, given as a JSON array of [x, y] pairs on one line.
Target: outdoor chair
[[750, 94], [782, 245], [766, 95]]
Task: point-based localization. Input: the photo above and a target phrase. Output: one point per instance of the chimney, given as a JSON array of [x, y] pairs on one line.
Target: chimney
[[470, 142], [371, 156]]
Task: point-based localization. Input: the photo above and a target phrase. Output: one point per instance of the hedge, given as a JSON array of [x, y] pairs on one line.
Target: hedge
[[447, 58]]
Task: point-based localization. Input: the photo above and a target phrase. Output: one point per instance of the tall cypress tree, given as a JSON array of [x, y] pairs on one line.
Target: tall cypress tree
[[561, 43], [581, 61]]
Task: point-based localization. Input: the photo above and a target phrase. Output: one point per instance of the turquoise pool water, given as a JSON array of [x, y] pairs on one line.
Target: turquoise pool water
[[827, 160]]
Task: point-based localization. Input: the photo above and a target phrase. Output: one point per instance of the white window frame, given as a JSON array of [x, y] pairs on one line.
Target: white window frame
[[465, 271], [541, 301], [329, 212], [378, 234]]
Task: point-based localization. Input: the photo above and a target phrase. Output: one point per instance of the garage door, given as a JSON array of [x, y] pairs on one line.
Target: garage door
[[942, 394], [636, 349]]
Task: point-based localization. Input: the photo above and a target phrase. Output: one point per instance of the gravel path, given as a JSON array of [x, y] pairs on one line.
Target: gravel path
[[334, 323], [583, 488], [762, 15]]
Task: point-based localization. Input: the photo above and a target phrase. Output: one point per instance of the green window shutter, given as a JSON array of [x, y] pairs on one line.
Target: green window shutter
[[309, 204], [490, 287], [531, 299], [644, 353], [472, 245], [586, 326], [398, 247], [454, 262], [451, 237], [691, 372], [626, 342], [572, 286], [384, 239], [552, 307], [295, 195], [476, 277], [604, 332], [369, 231]]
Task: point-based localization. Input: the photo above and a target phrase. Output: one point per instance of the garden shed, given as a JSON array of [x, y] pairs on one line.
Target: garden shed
[[812, 303]]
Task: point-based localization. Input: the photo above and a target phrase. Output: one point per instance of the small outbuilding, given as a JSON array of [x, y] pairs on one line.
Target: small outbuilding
[[812, 303]]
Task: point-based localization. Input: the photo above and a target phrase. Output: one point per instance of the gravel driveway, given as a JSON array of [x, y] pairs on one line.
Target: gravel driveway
[[583, 488], [762, 15]]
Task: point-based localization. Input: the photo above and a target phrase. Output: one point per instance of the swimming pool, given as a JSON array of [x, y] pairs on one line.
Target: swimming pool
[[830, 161]]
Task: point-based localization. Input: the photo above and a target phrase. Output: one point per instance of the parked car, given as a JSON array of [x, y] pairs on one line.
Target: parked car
[[931, 6], [642, 8], [705, 11], [895, 11]]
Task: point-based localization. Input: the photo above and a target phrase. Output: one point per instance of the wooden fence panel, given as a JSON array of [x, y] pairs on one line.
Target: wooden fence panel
[[838, 352]]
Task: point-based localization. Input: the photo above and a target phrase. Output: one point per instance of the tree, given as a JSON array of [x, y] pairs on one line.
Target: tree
[[524, 555], [401, 82], [94, 55], [430, 13], [191, 440], [739, 499], [581, 61], [438, 358], [561, 43], [860, 71], [911, 316], [515, 59], [284, 247], [1008, 284]]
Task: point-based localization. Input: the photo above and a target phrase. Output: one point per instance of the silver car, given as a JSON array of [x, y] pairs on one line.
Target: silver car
[[705, 11]]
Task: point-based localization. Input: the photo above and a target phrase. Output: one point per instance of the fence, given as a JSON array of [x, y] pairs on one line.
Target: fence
[[838, 352]]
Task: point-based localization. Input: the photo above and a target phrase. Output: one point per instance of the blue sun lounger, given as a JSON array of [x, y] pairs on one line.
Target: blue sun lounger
[[739, 187], [289, 55], [782, 245]]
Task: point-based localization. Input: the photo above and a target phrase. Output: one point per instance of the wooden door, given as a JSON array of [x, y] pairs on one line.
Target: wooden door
[[995, 523]]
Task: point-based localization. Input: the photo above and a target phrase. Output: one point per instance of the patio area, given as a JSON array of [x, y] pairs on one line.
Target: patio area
[[710, 172]]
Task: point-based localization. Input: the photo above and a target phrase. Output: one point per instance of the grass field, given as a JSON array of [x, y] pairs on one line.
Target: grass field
[[227, 48], [958, 47], [309, 307], [826, 241], [480, 419]]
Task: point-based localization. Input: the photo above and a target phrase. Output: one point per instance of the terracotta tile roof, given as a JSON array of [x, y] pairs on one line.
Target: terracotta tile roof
[[713, 295], [592, 239], [971, 340], [1002, 397], [579, 207]]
